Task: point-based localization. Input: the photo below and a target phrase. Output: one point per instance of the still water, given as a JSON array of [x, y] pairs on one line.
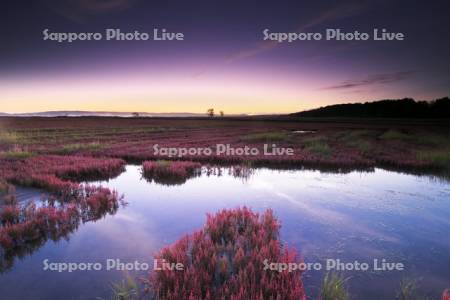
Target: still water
[[348, 217]]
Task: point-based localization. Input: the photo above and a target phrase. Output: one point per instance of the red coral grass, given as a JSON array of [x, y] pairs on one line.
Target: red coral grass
[[9, 214], [5, 241], [446, 295], [170, 172], [55, 173], [32, 225], [328, 145], [225, 260], [25, 228], [100, 200], [7, 193]]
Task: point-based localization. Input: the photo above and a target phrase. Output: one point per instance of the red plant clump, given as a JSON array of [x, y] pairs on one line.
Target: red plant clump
[[446, 295], [225, 260], [25, 228], [170, 172], [7, 192], [55, 173], [331, 145], [10, 214]]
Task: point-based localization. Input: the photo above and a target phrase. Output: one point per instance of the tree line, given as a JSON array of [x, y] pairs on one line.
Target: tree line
[[396, 108]]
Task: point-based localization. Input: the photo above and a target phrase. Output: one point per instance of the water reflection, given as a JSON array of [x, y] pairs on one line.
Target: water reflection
[[352, 216], [25, 226], [166, 178]]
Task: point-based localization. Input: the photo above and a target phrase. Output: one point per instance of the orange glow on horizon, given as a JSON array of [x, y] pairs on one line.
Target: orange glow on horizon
[[233, 93], [153, 95]]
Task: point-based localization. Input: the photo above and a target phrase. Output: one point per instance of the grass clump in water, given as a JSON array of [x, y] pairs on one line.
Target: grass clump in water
[[127, 289], [334, 287], [407, 290], [170, 172]]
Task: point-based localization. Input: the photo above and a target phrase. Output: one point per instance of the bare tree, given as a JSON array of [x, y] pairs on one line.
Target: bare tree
[[210, 112]]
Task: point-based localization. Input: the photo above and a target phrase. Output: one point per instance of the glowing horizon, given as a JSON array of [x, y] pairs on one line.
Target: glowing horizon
[[235, 91], [218, 65]]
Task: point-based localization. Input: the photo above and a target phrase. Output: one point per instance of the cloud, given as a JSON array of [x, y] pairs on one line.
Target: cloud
[[385, 78], [252, 51], [339, 11], [80, 10]]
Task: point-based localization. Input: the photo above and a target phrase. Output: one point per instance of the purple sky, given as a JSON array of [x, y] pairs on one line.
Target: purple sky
[[223, 61]]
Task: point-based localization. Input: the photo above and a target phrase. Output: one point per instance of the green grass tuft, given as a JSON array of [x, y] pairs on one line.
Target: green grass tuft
[[17, 154], [318, 145], [127, 289], [392, 134], [431, 139], [408, 290], [7, 137], [333, 287], [364, 147], [437, 158], [3, 187], [358, 139], [350, 135], [72, 148], [163, 163], [265, 136]]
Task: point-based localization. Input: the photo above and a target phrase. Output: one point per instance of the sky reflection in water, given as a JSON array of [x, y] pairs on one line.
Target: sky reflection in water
[[354, 216]]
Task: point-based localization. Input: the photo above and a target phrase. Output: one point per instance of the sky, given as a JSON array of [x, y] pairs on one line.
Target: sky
[[223, 61]]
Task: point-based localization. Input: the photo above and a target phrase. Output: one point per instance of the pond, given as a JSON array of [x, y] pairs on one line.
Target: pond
[[327, 217]]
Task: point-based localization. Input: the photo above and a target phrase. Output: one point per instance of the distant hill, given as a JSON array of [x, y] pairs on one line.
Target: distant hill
[[101, 114], [402, 108]]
